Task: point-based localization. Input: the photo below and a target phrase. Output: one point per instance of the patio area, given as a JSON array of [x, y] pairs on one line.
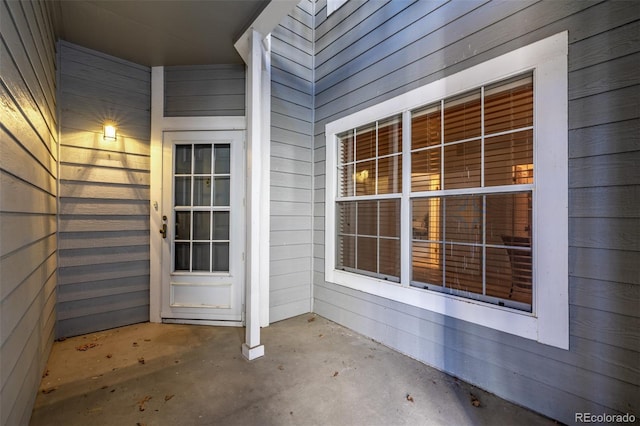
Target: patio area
[[315, 372]]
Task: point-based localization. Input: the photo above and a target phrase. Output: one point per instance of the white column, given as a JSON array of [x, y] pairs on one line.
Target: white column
[[252, 348]]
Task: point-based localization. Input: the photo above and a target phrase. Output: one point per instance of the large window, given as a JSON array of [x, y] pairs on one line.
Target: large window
[[456, 192]]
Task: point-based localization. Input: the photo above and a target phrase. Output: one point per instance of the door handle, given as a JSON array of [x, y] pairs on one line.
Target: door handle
[[163, 231]]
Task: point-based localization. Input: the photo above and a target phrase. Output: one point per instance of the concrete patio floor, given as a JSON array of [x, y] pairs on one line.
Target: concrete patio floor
[[314, 372]]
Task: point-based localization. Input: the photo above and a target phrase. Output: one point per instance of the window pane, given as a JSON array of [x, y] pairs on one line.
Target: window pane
[[221, 192], [183, 159], [508, 215], [463, 219], [346, 177], [462, 165], [509, 105], [201, 225], [346, 218], [390, 257], [390, 175], [425, 170], [462, 117], [182, 191], [427, 262], [202, 154], [183, 226], [390, 136], [222, 156], [366, 142], [509, 159], [346, 252], [220, 225], [510, 277], [368, 218], [201, 191], [220, 257], [389, 218], [345, 148], [366, 178], [425, 127], [201, 257], [183, 255], [426, 219], [463, 270], [367, 259]]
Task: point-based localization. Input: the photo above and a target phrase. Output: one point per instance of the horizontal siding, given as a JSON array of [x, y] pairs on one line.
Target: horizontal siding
[[291, 164], [204, 90], [28, 198], [370, 52], [104, 193]]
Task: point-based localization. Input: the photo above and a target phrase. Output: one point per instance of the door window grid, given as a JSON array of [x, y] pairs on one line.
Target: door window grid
[[201, 207]]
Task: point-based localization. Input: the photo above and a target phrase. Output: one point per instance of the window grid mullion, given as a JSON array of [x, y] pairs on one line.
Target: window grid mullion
[[442, 199], [406, 242], [484, 197]]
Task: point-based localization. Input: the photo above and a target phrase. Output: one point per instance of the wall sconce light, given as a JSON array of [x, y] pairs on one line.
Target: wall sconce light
[[109, 132]]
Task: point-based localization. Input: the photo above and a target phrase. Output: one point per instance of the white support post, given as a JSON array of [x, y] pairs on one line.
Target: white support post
[[252, 348]]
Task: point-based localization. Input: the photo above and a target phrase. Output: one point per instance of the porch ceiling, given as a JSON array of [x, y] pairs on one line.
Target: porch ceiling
[[158, 32]]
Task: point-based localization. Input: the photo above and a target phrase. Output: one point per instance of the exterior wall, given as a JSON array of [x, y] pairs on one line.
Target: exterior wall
[[204, 90], [28, 174], [369, 52], [103, 275], [291, 164]]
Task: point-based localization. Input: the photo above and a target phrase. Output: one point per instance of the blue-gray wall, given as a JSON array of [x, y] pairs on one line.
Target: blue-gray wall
[[28, 175], [291, 164], [367, 52], [204, 90], [103, 276]]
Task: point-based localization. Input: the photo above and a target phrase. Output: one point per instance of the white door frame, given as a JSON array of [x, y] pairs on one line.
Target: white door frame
[[159, 125]]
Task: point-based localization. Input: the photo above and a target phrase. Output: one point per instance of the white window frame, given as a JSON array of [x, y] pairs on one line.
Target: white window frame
[[548, 323]]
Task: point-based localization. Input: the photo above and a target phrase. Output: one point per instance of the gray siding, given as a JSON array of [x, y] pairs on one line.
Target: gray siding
[[204, 90], [103, 278], [28, 174], [291, 164], [369, 52]]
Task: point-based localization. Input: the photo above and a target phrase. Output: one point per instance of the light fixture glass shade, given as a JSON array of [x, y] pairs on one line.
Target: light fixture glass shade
[[109, 132]]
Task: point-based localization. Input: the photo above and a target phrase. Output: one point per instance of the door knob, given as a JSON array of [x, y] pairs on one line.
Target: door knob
[[163, 231]]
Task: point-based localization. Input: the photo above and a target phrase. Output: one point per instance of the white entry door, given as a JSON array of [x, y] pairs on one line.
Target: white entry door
[[203, 226]]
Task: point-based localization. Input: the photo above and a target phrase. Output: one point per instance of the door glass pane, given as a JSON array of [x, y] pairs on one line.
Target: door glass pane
[[183, 226], [223, 159], [221, 192], [202, 156], [201, 256], [182, 191], [201, 225], [220, 257], [201, 191], [183, 159], [182, 256], [220, 225]]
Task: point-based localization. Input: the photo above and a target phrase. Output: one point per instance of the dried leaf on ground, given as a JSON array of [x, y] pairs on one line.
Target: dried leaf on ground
[[280, 367], [474, 400], [109, 355], [45, 374], [147, 340], [49, 390], [141, 360], [335, 374], [409, 398], [142, 402], [311, 319], [86, 346], [168, 397], [134, 344]]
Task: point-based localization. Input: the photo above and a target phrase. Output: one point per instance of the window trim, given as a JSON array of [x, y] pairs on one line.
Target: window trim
[[548, 323]]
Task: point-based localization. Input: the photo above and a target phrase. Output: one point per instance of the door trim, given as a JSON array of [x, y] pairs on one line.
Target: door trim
[[159, 125]]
